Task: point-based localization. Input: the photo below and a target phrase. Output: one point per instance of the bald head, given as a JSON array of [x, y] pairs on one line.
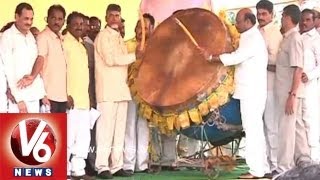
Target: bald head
[[244, 11], [245, 20]]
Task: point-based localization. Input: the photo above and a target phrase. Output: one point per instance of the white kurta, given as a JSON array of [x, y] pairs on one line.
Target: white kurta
[[310, 105], [250, 60], [3, 88], [273, 37], [18, 53]]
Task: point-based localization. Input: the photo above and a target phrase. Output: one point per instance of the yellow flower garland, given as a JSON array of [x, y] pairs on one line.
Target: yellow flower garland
[[167, 123]]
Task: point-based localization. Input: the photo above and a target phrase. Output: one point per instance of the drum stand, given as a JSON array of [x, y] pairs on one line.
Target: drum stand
[[206, 159]]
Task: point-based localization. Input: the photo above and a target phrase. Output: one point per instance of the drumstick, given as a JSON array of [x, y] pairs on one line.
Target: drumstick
[[184, 28], [143, 30]]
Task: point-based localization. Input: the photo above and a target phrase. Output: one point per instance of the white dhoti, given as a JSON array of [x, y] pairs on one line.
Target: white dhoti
[[78, 140], [136, 154], [110, 133], [255, 152], [271, 130], [310, 111], [32, 107]]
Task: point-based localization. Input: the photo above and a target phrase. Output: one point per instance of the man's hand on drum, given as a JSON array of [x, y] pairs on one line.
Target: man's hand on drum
[[208, 56]]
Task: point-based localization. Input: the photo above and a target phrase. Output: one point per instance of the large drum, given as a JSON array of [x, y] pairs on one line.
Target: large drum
[[173, 83], [219, 134]]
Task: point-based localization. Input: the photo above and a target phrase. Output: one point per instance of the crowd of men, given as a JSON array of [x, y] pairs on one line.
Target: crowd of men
[[83, 68]]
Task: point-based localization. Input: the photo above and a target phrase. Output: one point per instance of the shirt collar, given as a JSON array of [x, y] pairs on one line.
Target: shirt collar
[[267, 27], [52, 34], [16, 31], [112, 30], [295, 29], [88, 40], [71, 37], [249, 31], [311, 33]]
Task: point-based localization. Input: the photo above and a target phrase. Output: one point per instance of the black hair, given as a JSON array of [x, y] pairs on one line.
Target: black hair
[[113, 7], [293, 12], [251, 17], [86, 17], [7, 26], [73, 15], [265, 4], [56, 7], [150, 17], [94, 18], [309, 11], [21, 7]]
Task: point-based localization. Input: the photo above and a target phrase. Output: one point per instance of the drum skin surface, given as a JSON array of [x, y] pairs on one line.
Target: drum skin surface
[[173, 72]]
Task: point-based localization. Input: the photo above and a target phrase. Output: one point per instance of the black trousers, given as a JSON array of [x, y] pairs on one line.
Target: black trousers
[[58, 107]]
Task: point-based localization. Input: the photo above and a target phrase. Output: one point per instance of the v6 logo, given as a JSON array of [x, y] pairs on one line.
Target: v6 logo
[[33, 141]]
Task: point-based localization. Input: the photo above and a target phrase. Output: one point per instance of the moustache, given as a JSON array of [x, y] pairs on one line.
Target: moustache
[[28, 25], [261, 20]]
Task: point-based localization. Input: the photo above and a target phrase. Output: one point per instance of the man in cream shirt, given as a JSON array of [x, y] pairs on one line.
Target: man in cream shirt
[[310, 105], [250, 88], [18, 53], [113, 94], [293, 148], [272, 36]]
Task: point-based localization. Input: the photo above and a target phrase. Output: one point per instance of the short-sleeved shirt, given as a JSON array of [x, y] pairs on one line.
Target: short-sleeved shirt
[[290, 55], [77, 71], [54, 72]]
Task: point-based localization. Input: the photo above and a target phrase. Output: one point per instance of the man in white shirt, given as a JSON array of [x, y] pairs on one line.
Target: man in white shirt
[[19, 52], [250, 88], [272, 36], [3, 89], [310, 105]]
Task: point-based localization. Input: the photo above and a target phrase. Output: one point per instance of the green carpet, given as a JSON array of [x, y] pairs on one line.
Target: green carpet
[[185, 174]]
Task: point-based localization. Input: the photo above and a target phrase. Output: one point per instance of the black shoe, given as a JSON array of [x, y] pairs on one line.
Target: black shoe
[[105, 175], [271, 175], [122, 173], [130, 172]]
